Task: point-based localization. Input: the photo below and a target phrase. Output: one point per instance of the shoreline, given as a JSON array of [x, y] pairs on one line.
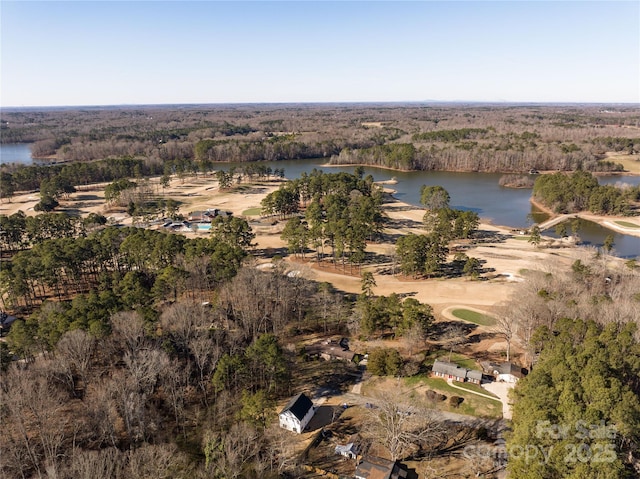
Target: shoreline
[[607, 222], [541, 172]]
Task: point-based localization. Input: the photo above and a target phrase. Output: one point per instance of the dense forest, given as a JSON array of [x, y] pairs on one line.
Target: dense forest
[[578, 412], [404, 136]]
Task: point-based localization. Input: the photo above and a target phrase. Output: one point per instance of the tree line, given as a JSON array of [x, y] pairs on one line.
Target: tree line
[[146, 263], [456, 138]]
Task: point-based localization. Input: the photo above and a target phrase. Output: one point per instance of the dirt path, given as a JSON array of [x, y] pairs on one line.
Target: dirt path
[[450, 383]]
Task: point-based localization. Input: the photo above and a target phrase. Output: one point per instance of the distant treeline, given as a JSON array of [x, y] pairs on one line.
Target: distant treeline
[[510, 139], [22, 178], [474, 156]]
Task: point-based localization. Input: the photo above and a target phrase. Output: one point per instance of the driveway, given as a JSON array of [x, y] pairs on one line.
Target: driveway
[[501, 389]]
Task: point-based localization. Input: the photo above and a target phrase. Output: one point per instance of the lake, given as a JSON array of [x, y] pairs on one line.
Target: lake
[[479, 192], [16, 153]]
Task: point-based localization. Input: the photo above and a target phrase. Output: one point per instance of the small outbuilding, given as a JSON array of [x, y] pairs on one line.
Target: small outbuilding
[[349, 450]]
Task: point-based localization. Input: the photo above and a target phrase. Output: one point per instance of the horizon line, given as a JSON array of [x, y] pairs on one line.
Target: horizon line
[[281, 103]]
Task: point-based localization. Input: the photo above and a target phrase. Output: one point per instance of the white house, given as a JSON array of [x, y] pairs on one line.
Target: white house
[[297, 413]]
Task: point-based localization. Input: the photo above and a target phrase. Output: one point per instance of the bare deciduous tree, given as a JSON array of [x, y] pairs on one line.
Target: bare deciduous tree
[[281, 449], [185, 321], [34, 420], [128, 329], [233, 454], [102, 464], [401, 426], [505, 328], [75, 350], [205, 354]]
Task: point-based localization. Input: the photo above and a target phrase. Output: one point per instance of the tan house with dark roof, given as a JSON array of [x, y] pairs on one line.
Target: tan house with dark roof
[[446, 370]]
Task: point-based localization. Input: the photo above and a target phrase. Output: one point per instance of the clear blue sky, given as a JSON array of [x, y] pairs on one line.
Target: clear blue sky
[[118, 52]]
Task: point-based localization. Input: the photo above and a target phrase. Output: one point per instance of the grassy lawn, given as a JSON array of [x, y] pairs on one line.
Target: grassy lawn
[[459, 359], [474, 317], [629, 162], [415, 387], [626, 224], [472, 405], [474, 387], [522, 237], [252, 211]]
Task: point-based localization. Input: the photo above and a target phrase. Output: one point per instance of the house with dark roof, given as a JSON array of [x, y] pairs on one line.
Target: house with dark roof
[[372, 467], [504, 372], [297, 413], [446, 370], [206, 216]]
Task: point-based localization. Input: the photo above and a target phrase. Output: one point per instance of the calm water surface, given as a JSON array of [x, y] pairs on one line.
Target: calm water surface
[[479, 192], [16, 153]]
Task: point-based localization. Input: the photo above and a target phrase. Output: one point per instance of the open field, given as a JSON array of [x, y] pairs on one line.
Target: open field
[[416, 387], [631, 163]]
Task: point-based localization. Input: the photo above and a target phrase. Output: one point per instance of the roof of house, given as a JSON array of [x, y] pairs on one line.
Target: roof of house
[[346, 448], [509, 368], [6, 320], [372, 467], [451, 369], [444, 367], [299, 406], [473, 374]]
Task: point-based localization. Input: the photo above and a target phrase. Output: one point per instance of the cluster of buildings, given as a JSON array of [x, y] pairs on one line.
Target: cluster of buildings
[[206, 216], [504, 372], [200, 220], [295, 416], [299, 411]]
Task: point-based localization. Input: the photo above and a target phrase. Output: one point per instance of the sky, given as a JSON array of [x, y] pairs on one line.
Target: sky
[[72, 53]]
